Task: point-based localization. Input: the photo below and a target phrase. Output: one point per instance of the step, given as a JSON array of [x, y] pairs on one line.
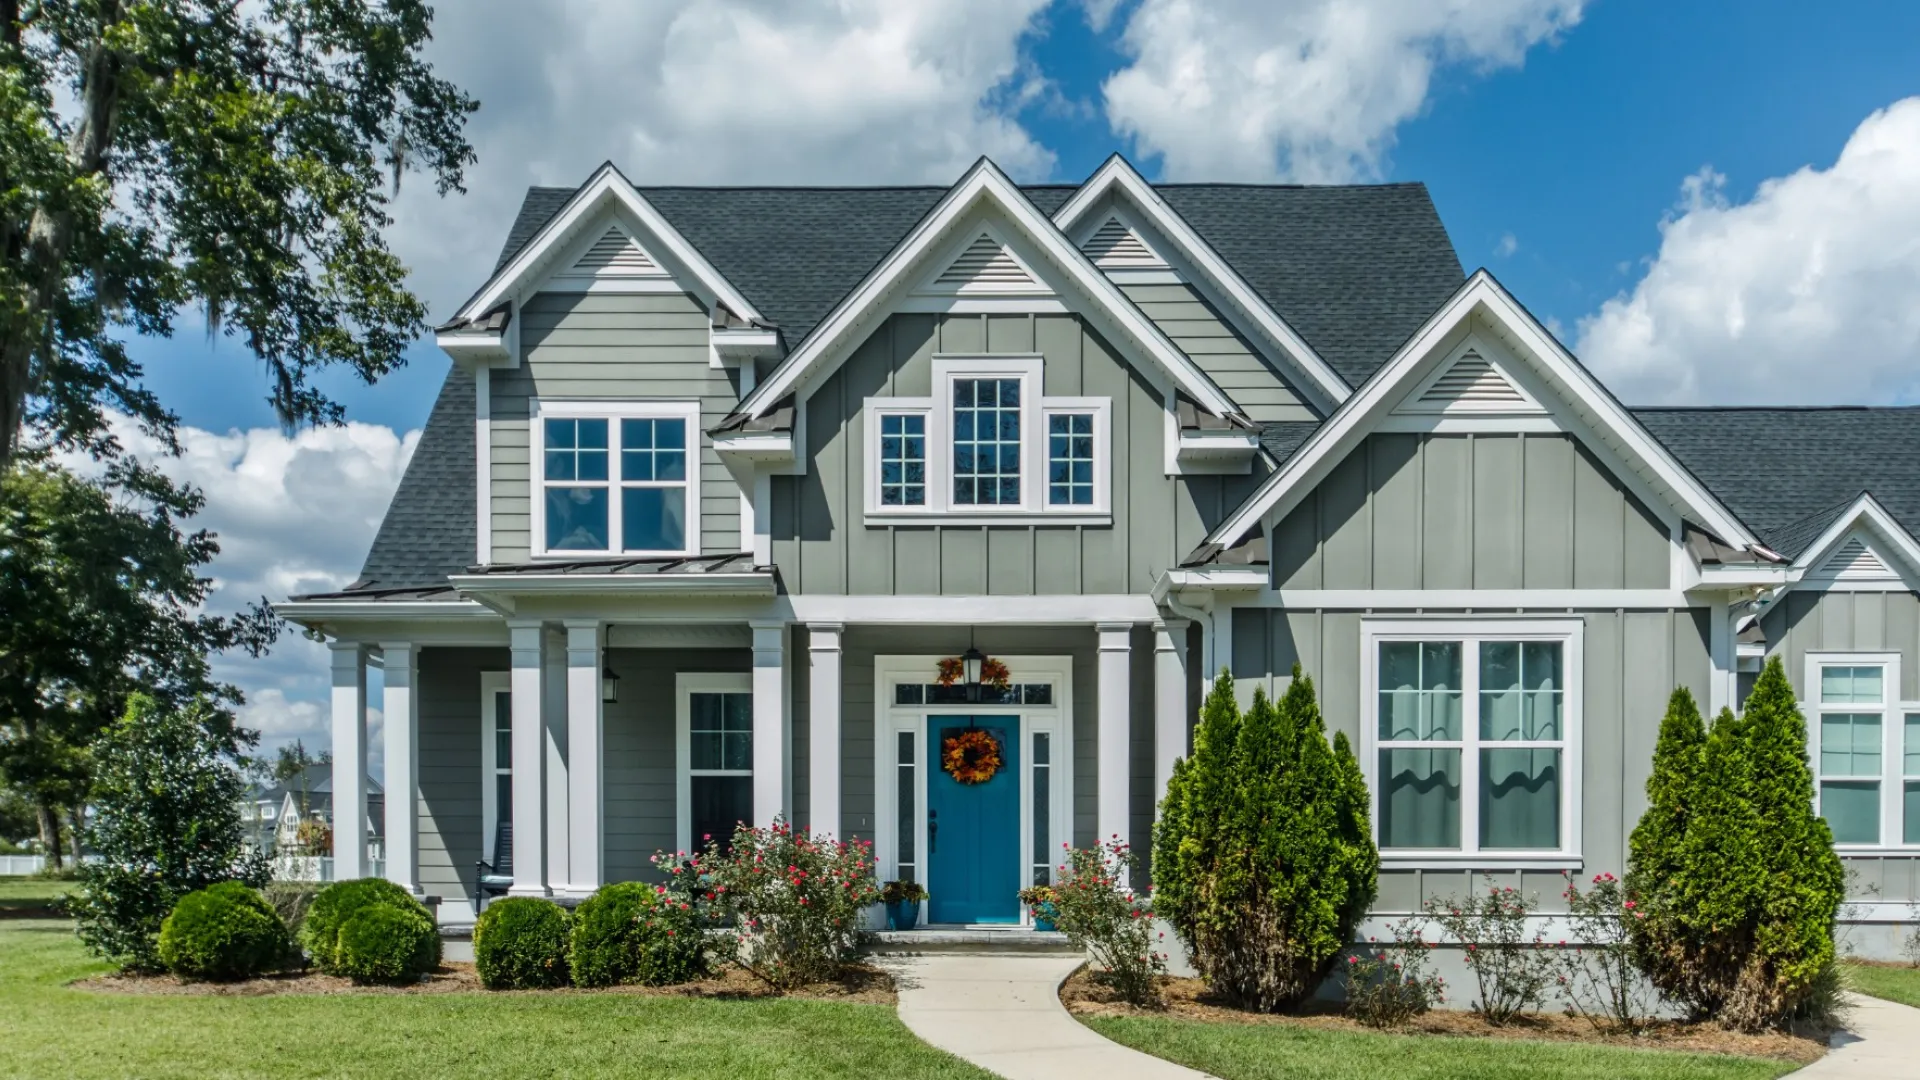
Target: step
[[979, 940]]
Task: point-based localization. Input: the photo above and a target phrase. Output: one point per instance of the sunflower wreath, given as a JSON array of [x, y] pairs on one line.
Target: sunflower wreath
[[971, 756]]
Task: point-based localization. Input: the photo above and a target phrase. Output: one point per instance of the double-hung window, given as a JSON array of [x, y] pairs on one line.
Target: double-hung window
[[715, 757], [1471, 741], [988, 444], [1865, 748], [614, 478]]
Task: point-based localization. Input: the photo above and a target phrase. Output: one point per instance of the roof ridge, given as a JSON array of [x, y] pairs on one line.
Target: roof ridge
[[1772, 408]]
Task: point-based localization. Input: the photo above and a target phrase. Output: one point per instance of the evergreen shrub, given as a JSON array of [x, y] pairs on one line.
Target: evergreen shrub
[[386, 943], [634, 933], [1263, 859], [224, 931], [520, 943], [339, 902]]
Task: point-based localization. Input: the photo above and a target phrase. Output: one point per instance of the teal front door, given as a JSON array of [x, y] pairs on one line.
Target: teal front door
[[973, 830]]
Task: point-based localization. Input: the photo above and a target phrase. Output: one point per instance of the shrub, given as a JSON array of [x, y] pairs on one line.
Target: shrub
[[1599, 978], [224, 931], [166, 822], [1512, 967], [795, 902], [520, 943], [635, 933], [339, 902], [291, 899], [386, 943], [1264, 861], [1391, 984], [1094, 908], [1735, 873]]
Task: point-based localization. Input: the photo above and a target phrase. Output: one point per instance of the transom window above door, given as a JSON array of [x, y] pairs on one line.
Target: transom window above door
[[615, 478], [988, 445]]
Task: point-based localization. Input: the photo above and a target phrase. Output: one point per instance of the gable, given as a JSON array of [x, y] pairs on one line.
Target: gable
[[1854, 560], [1118, 245], [615, 257], [1471, 382], [985, 265]]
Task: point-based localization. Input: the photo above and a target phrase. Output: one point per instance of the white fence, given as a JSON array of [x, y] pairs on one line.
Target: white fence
[[21, 865], [316, 868]]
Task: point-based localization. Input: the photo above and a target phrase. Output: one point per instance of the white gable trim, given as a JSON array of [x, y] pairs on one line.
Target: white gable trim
[[823, 349], [1471, 382], [1118, 176], [1115, 244], [1867, 527], [1609, 429], [606, 188]]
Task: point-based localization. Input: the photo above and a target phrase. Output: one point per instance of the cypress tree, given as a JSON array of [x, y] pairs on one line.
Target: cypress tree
[[1190, 814], [1658, 933]]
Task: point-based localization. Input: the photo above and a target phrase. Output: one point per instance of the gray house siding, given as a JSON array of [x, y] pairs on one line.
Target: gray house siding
[[450, 809], [1632, 662], [611, 346], [1418, 511], [1235, 365], [822, 544]]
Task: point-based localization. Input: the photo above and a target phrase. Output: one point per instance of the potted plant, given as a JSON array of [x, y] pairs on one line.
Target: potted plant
[[1039, 899], [902, 899]]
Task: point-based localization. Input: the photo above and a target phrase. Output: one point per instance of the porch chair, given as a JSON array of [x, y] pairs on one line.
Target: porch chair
[[496, 877]]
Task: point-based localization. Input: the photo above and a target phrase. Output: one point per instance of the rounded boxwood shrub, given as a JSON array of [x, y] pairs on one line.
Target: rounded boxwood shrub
[[629, 933], [386, 943], [339, 902], [520, 943], [224, 931]]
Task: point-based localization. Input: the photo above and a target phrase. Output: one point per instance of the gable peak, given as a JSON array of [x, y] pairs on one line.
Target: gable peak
[[1116, 245], [986, 264], [1471, 383], [615, 254], [1855, 560]]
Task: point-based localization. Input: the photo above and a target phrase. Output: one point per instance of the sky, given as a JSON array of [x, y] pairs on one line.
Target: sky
[[1709, 202]]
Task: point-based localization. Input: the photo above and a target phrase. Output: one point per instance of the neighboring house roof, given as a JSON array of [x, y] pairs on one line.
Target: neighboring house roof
[[313, 788]]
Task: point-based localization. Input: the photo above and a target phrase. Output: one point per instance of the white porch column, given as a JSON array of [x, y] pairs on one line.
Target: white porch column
[[1722, 690], [586, 830], [529, 737], [553, 713], [1169, 702], [1115, 709], [770, 761], [401, 705], [349, 760], [823, 729]]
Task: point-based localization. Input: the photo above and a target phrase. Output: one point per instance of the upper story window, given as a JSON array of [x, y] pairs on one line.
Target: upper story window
[[616, 478], [1865, 749], [988, 444]]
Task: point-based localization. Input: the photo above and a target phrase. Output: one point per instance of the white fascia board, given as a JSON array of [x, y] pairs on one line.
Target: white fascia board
[[1237, 579], [1119, 174], [1361, 413], [1744, 577], [506, 585], [756, 446], [472, 351], [308, 612], [986, 181], [605, 187], [740, 346]]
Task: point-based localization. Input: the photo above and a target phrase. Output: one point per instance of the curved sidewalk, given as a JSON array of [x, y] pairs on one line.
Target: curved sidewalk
[[1003, 1013], [1881, 1042]]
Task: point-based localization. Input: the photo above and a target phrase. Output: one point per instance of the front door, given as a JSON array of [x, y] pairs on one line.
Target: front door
[[973, 829]]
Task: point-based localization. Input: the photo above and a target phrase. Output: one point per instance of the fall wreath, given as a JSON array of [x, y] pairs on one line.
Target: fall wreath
[[971, 756]]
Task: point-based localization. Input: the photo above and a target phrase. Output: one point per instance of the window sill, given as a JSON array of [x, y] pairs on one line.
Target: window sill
[[1549, 860], [881, 519], [1877, 851]]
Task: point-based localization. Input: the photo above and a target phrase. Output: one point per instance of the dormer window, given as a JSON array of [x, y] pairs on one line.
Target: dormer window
[[616, 478], [988, 446]]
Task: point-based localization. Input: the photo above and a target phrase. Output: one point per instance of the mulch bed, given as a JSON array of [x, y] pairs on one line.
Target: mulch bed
[[857, 983], [1189, 999]]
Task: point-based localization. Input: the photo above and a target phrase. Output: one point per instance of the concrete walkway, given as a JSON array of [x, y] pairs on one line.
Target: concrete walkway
[[1882, 1042], [1003, 1013]]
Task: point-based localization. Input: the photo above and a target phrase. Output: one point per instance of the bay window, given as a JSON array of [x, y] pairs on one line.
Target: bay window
[[616, 478], [1865, 748]]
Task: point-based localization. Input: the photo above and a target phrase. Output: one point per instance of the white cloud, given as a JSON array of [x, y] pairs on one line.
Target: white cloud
[[1803, 294], [1508, 244], [1310, 90]]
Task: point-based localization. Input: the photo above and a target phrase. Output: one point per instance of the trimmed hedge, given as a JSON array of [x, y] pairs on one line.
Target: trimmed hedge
[[520, 943], [224, 931], [627, 933], [385, 943], [339, 902]]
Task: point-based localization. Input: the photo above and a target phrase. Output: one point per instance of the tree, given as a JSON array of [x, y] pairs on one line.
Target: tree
[[1272, 863], [166, 798], [237, 158], [1662, 941], [288, 762]]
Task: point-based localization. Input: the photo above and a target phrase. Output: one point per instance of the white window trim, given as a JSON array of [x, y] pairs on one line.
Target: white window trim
[[685, 685], [1893, 721], [613, 412], [1035, 407], [492, 685], [1472, 632]]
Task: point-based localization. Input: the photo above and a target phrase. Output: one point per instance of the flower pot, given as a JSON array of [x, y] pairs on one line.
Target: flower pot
[[902, 914], [1043, 918]]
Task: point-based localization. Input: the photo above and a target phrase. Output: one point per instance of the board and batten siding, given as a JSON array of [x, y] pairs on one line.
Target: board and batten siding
[[614, 347], [1632, 662], [821, 541], [1229, 360], [1506, 511]]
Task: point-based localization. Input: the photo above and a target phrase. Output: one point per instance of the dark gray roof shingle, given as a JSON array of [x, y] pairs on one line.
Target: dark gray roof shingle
[[428, 532]]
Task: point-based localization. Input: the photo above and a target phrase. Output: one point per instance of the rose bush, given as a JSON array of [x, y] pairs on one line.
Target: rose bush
[[1094, 908]]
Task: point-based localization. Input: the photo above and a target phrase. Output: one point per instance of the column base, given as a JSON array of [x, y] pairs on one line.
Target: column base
[[540, 891]]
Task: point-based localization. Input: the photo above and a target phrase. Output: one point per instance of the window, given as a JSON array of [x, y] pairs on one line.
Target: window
[[1866, 751], [616, 478], [1042, 770], [496, 760], [1472, 738], [987, 445], [905, 825], [715, 757]]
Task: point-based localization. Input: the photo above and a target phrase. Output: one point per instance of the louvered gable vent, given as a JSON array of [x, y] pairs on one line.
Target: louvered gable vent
[[615, 255], [1114, 246], [1855, 560], [986, 265], [1471, 385]]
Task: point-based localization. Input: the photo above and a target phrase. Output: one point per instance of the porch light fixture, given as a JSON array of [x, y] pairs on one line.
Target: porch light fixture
[[609, 685], [971, 662]]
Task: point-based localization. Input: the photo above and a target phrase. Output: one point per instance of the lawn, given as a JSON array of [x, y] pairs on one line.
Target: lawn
[[82, 1034], [32, 892], [1236, 1051], [1901, 984]]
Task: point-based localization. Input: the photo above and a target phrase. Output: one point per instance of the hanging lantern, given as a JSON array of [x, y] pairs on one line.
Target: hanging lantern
[[971, 662], [609, 685]]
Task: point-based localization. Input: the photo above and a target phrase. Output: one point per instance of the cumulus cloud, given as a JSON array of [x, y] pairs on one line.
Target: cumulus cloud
[[1311, 90], [1507, 245], [1802, 294]]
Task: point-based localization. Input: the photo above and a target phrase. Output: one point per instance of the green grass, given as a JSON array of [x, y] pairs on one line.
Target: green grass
[[32, 892], [1263, 1051], [80, 1034], [1901, 984]]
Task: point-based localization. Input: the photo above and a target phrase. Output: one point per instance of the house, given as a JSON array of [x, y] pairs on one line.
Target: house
[[723, 479], [274, 812]]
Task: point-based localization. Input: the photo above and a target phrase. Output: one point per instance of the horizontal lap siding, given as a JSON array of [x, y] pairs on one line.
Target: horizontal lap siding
[[1408, 511], [450, 733], [1197, 328], [612, 346]]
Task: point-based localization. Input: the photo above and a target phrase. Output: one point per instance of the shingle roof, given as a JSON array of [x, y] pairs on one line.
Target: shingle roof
[[1787, 472], [428, 532]]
